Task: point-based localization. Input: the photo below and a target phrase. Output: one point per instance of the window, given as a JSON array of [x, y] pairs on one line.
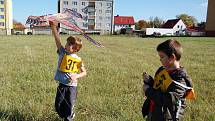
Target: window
[[109, 4], [91, 21], [100, 17], [91, 13], [1, 9], [64, 9], [1, 16], [108, 11], [83, 3], [85, 25], [74, 3], [108, 25], [85, 18], [65, 2], [99, 25], [1, 2], [1, 23], [178, 26], [108, 18], [100, 11], [75, 9]]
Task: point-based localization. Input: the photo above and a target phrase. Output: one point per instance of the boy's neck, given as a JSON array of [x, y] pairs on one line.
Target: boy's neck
[[174, 66], [70, 52]]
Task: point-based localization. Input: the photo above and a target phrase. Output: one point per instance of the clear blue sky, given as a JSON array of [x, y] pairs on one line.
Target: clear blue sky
[[140, 9]]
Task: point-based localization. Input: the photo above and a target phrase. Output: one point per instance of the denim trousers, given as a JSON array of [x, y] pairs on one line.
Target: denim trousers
[[65, 101]]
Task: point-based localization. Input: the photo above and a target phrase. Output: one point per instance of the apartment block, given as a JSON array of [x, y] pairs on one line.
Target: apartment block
[[6, 17], [210, 22], [97, 14]]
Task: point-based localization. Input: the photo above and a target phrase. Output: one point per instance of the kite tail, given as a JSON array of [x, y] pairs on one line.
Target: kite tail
[[92, 40]]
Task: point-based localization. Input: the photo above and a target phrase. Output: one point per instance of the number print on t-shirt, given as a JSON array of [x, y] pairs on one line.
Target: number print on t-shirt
[[70, 64]]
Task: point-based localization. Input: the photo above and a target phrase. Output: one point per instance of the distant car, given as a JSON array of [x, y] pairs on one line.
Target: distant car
[[29, 33], [156, 34], [63, 33], [126, 31], [17, 33]]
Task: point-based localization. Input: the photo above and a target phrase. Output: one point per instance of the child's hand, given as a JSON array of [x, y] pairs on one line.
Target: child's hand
[[145, 87], [74, 77], [51, 23], [147, 79]]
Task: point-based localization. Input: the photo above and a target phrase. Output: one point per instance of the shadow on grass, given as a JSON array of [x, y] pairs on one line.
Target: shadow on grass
[[15, 115], [11, 116]]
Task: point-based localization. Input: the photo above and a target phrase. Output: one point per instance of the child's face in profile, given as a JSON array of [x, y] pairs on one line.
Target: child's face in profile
[[165, 60], [70, 48]]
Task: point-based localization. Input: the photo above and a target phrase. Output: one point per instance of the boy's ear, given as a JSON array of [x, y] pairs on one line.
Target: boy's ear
[[173, 57]]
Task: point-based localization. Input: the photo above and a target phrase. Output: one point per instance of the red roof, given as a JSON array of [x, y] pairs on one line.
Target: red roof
[[124, 20], [170, 23], [196, 29]]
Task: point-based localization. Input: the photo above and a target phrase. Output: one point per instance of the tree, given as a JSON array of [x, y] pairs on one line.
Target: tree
[[201, 25], [156, 22], [189, 21], [142, 24], [14, 23]]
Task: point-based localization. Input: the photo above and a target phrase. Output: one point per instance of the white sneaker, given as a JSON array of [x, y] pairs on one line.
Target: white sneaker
[[73, 115]]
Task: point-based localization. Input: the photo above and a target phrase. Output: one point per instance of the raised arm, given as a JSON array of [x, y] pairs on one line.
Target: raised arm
[[55, 33]]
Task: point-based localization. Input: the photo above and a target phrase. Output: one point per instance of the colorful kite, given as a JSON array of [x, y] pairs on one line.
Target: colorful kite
[[67, 18]]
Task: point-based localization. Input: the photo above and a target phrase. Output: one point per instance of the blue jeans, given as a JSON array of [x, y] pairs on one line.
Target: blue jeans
[[65, 101]]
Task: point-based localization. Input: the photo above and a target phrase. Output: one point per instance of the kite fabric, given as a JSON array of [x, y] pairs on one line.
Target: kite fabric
[[67, 18]]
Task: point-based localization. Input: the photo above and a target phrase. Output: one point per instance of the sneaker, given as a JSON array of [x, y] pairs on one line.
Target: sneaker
[[73, 115]]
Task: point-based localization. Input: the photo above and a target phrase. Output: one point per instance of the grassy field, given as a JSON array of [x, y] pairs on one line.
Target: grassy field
[[112, 89]]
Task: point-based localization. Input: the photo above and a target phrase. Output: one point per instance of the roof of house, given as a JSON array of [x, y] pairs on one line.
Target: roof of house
[[19, 26], [170, 23], [124, 20], [196, 29]]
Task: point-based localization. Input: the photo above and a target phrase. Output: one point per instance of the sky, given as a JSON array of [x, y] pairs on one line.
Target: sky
[[139, 9]]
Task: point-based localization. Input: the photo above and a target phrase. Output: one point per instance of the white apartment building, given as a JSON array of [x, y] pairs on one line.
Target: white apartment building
[[6, 17], [97, 14]]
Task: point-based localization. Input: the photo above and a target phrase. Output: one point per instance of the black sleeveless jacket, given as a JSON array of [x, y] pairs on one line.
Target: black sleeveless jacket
[[169, 105]]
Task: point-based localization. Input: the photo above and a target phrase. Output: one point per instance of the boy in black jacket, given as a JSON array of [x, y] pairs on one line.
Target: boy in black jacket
[[167, 92]]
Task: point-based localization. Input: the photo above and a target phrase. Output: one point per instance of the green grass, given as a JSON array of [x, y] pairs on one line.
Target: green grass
[[112, 89]]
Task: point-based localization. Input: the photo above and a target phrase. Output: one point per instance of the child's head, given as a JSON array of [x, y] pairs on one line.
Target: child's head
[[73, 44], [169, 52]]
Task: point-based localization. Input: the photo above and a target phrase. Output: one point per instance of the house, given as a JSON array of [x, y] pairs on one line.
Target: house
[[159, 31], [170, 28], [195, 31], [43, 29], [177, 25], [123, 22]]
